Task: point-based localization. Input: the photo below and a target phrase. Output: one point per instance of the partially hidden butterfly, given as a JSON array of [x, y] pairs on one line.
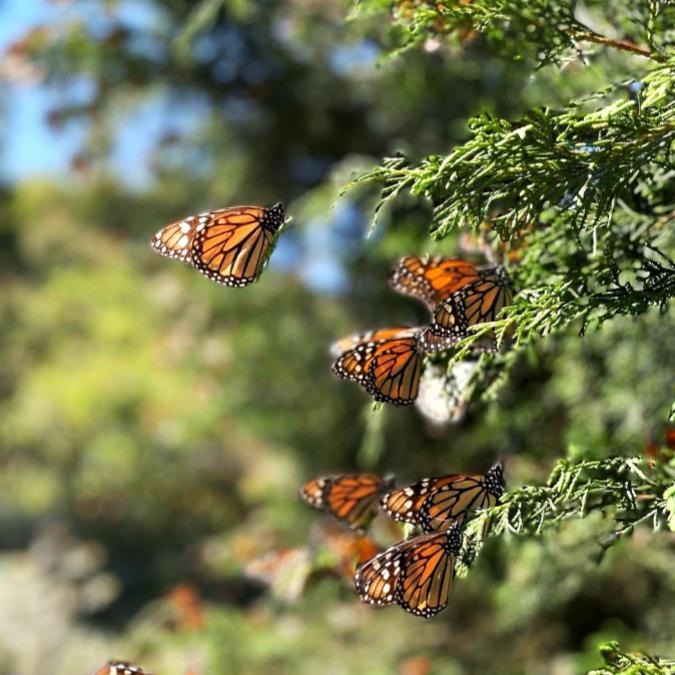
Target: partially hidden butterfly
[[332, 549], [432, 280], [415, 574], [478, 302], [434, 504], [340, 551], [352, 499], [387, 363], [186, 607], [284, 572], [120, 668], [661, 448], [349, 550], [229, 246]]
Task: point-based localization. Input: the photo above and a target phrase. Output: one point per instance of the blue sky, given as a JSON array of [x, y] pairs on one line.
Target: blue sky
[[29, 146]]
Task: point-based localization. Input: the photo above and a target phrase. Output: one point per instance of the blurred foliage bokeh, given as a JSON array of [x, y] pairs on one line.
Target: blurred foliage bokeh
[[155, 427]]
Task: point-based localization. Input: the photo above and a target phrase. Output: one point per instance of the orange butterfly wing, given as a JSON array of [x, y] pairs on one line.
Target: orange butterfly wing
[[229, 246], [313, 492], [232, 246], [376, 581], [435, 503], [454, 501], [428, 571], [404, 504], [354, 499], [175, 240], [389, 370], [395, 371], [432, 280], [415, 574], [479, 302], [351, 499], [377, 335]]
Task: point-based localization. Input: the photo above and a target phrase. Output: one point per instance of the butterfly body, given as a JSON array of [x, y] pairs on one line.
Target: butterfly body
[[228, 246], [434, 504], [415, 574]]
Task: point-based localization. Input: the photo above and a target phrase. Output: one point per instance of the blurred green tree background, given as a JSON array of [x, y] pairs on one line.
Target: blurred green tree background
[[155, 428]]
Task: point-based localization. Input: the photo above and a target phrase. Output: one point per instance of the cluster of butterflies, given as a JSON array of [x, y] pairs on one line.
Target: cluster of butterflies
[[416, 573], [388, 362], [230, 246]]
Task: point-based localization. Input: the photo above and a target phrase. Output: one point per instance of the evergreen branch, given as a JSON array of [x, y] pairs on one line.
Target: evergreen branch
[[550, 28], [626, 488], [512, 174], [623, 45], [583, 199]]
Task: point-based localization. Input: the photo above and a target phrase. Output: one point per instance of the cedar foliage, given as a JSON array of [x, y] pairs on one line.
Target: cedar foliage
[[578, 202]]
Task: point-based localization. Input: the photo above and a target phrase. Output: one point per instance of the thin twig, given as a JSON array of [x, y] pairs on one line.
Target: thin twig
[[624, 45]]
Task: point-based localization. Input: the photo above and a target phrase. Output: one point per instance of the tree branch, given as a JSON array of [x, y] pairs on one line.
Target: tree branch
[[624, 45]]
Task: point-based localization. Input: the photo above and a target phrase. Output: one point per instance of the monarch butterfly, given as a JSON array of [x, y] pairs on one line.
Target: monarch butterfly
[[229, 246], [352, 499], [435, 503], [120, 668], [415, 574], [376, 335], [432, 280], [388, 368], [476, 303]]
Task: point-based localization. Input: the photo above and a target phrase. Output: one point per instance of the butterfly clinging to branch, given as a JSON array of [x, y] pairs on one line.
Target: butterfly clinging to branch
[[229, 246], [415, 574], [478, 302], [387, 363], [458, 293], [432, 280], [436, 503]]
